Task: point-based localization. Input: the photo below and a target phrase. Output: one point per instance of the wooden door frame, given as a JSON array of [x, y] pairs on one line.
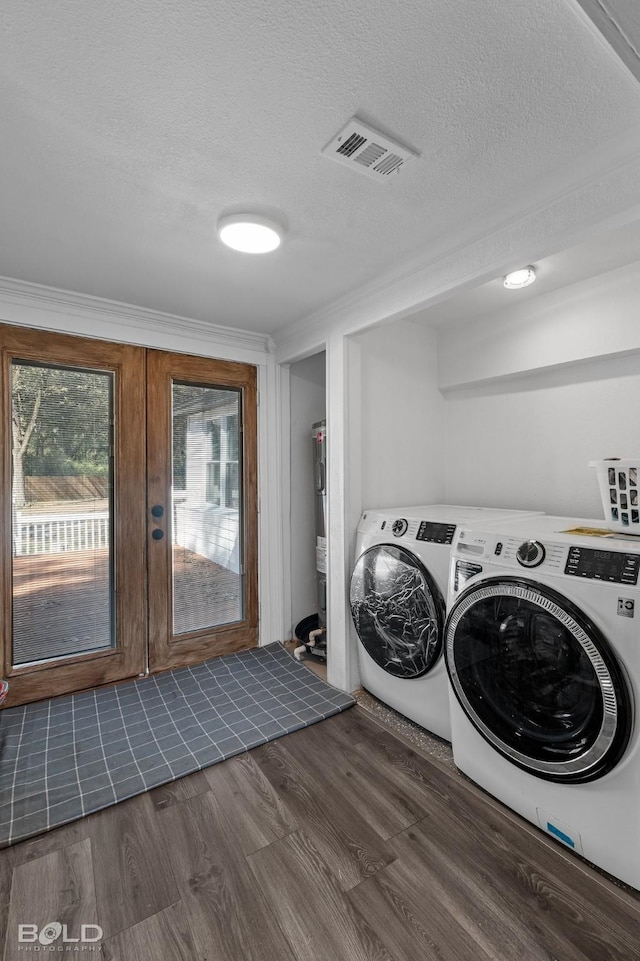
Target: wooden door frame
[[129, 657], [166, 650]]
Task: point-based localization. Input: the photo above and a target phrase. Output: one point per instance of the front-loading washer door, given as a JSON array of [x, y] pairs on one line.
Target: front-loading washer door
[[538, 680], [398, 610]]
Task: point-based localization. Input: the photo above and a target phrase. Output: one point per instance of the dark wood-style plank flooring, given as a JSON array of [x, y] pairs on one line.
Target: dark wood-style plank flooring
[[337, 843]]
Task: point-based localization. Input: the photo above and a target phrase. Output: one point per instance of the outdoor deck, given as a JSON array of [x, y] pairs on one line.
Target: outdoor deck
[[61, 602]]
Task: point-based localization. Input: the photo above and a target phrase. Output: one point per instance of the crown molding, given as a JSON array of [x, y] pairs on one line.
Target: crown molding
[[38, 299], [552, 221]]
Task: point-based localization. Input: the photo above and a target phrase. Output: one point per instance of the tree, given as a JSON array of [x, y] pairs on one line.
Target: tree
[[26, 397], [60, 423]]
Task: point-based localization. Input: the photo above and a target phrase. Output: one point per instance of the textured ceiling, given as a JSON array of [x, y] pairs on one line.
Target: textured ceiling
[[129, 127], [603, 254]]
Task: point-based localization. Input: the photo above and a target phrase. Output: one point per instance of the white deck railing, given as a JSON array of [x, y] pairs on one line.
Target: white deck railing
[[58, 533]]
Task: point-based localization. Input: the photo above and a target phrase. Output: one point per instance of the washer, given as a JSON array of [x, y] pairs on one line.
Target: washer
[[398, 603], [543, 654]]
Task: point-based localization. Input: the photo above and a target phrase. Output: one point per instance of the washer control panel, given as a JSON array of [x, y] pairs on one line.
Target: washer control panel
[[399, 527], [427, 531], [601, 565], [531, 554], [436, 533]]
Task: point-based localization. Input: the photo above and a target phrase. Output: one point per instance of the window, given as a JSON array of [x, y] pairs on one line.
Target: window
[[223, 470]]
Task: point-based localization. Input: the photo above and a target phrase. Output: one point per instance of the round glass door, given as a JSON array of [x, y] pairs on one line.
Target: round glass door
[[538, 680], [397, 610]]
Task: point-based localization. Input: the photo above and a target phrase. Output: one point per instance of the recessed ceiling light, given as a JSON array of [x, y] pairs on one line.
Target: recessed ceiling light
[[249, 233], [520, 278]]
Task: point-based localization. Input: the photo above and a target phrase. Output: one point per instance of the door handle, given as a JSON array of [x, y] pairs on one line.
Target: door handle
[[157, 510], [157, 534]]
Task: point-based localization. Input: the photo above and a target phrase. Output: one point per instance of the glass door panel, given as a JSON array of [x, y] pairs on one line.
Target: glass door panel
[[202, 508], [61, 496], [207, 550], [73, 515]]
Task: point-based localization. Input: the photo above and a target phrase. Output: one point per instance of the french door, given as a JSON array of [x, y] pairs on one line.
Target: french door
[[202, 508], [128, 528]]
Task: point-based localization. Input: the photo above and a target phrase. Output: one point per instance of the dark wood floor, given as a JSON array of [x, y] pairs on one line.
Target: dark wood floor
[[338, 843]]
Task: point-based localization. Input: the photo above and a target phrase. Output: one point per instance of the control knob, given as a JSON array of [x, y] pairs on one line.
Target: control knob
[[530, 554], [399, 527]]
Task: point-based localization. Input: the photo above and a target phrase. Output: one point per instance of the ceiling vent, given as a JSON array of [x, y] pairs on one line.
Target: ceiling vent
[[367, 151]]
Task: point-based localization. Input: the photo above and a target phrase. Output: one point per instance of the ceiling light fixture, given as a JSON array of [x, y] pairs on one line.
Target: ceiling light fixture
[[520, 278], [250, 233]]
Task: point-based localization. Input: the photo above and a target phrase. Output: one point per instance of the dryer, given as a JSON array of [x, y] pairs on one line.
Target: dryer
[[543, 654], [398, 604]]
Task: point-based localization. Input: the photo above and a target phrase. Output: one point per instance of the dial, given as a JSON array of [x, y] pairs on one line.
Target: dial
[[399, 527], [531, 554]]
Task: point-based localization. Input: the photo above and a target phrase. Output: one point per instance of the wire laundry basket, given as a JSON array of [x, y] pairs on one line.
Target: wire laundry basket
[[618, 482]]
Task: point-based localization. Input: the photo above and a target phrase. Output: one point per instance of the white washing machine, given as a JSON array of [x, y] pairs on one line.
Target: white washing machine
[[398, 603], [543, 652]]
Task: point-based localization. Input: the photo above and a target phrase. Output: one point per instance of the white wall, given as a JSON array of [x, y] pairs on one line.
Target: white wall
[[525, 442], [392, 453], [401, 417], [307, 388], [548, 386], [578, 323]]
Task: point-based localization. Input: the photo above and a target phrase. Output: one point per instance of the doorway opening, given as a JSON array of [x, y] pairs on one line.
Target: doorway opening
[[308, 442]]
